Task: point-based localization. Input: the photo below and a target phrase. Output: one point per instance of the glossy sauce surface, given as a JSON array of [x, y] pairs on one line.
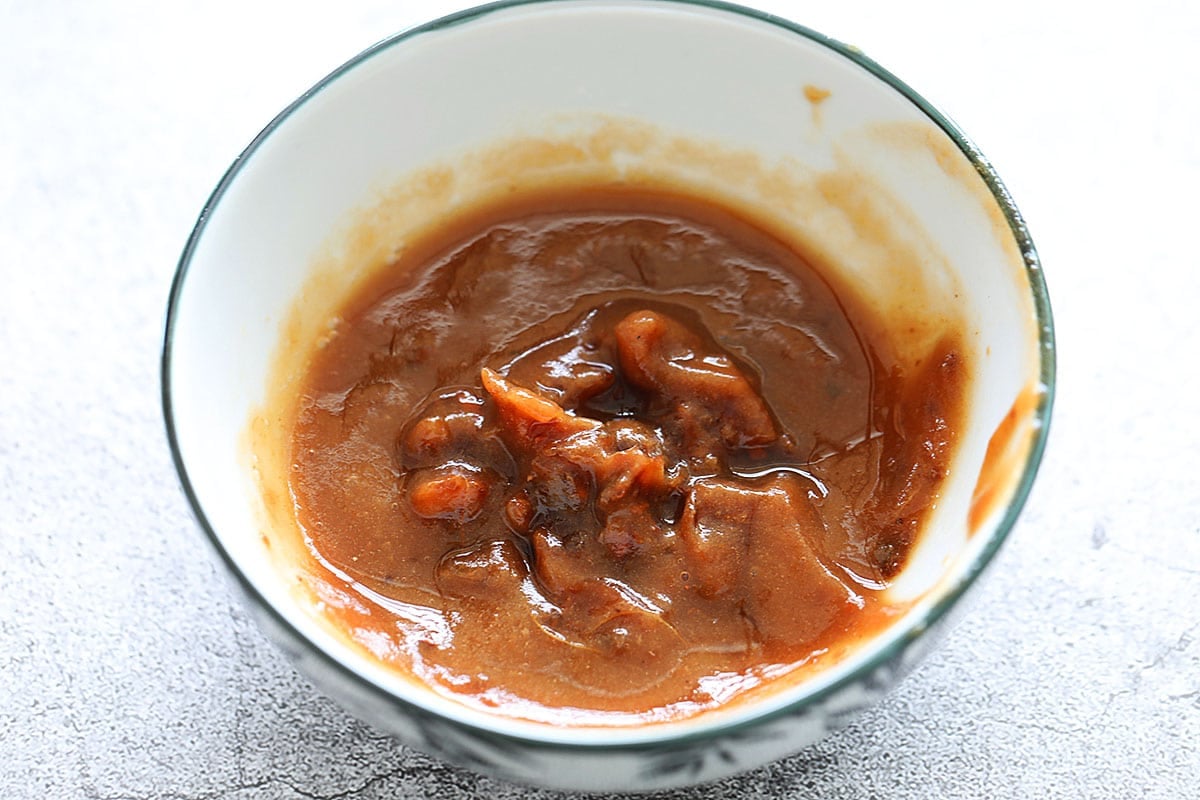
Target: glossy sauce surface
[[592, 456]]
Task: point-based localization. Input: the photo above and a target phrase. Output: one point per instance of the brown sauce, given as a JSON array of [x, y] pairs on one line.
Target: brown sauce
[[598, 454]]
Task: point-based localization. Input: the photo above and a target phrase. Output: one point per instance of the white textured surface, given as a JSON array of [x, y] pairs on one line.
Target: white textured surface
[[128, 668]]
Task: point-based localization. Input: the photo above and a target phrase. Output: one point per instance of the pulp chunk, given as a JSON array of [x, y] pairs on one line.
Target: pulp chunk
[[623, 457], [455, 492], [572, 376], [488, 569], [660, 355], [557, 483], [754, 541], [714, 528], [530, 419], [570, 455], [449, 425], [627, 530], [559, 569], [790, 594]]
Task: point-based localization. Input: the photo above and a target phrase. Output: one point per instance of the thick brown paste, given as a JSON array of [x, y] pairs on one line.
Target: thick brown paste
[[590, 455]]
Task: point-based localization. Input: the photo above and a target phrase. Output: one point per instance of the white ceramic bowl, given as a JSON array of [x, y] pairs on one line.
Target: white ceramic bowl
[[720, 98]]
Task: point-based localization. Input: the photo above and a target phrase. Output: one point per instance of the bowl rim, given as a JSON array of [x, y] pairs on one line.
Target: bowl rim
[[700, 732]]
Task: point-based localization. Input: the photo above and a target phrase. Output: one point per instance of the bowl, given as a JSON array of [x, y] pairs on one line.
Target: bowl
[[770, 116]]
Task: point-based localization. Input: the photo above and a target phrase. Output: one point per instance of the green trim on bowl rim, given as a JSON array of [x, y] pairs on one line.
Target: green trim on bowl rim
[[936, 612]]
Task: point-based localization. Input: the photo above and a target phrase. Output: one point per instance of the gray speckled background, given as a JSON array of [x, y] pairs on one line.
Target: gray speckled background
[[127, 667]]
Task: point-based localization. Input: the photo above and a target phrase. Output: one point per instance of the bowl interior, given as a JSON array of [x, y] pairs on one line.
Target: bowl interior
[[711, 98]]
